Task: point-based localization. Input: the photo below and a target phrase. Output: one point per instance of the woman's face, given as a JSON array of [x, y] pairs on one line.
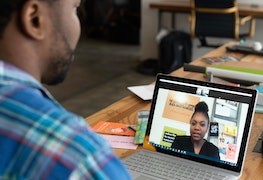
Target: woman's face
[[198, 126]]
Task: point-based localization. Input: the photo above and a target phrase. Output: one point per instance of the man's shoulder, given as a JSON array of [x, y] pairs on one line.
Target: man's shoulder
[[26, 96], [32, 110], [48, 132]]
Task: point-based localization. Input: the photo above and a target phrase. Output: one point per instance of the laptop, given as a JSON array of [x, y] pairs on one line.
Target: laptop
[[230, 111]]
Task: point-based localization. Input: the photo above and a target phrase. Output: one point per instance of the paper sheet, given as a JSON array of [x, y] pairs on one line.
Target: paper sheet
[[121, 142], [145, 92]]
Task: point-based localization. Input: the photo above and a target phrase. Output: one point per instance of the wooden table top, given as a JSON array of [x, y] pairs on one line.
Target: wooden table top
[[184, 7], [126, 109]]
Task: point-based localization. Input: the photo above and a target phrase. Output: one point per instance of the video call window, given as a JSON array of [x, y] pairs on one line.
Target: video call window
[[172, 119]]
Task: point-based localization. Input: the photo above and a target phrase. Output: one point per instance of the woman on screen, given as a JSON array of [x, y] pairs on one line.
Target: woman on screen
[[196, 143]]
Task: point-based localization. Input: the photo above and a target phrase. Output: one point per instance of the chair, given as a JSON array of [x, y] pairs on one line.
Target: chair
[[218, 18]]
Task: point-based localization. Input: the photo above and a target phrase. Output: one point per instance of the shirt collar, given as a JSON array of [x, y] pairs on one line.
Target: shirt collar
[[11, 73]]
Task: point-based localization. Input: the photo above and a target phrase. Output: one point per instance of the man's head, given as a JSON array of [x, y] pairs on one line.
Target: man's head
[[39, 36]]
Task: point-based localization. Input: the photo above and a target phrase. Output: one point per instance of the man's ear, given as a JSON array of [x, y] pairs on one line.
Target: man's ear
[[33, 18]]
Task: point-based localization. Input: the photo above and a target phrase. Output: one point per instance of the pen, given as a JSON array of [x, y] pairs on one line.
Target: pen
[[132, 128]]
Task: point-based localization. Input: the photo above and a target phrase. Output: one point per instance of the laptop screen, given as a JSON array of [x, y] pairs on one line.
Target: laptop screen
[[200, 121]]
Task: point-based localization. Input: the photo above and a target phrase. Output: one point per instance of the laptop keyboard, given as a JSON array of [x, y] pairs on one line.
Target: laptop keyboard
[[156, 166]]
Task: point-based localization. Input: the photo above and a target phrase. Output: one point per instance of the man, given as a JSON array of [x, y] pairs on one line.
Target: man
[[39, 139]]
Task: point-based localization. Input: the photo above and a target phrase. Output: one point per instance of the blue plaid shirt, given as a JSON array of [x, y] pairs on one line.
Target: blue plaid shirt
[[39, 139]]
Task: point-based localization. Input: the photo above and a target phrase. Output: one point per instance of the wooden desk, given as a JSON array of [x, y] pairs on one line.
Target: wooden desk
[[184, 7], [126, 110]]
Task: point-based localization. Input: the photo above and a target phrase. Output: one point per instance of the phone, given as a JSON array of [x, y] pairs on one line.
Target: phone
[[141, 126]]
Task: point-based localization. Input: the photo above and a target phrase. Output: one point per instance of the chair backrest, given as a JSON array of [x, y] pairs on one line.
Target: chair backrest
[[214, 18]]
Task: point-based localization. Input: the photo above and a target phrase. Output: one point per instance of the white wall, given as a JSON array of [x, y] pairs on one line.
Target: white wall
[[257, 2], [149, 26]]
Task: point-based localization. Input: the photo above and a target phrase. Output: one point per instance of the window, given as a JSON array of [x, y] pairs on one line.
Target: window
[[227, 110]]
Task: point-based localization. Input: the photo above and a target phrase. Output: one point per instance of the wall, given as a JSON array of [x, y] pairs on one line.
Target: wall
[[256, 2], [149, 25]]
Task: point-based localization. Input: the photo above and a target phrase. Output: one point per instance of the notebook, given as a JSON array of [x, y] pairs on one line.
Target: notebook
[[231, 111]]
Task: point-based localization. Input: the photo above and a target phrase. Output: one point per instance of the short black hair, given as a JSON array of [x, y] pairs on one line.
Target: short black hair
[[8, 7]]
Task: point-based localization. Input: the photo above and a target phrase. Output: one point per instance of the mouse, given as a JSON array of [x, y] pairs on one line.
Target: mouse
[[257, 46]]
